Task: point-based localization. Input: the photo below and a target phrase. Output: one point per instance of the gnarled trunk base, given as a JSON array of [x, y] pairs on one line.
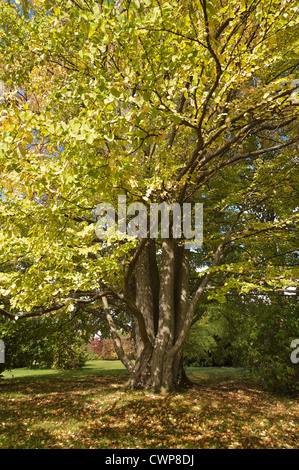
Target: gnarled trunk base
[[148, 374]]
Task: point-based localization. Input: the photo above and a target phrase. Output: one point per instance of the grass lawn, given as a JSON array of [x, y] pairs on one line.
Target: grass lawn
[[89, 408]]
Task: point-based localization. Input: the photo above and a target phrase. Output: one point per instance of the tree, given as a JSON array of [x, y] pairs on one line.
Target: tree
[[271, 323], [250, 331], [57, 341], [160, 102], [104, 348], [210, 341]]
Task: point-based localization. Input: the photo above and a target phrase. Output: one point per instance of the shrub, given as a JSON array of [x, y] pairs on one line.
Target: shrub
[[50, 341], [104, 349], [269, 350]]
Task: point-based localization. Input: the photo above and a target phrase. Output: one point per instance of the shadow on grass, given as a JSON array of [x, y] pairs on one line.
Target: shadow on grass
[[40, 374]]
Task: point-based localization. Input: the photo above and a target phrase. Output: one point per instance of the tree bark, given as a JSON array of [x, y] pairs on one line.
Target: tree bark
[[162, 296], [166, 326], [145, 302], [162, 315]]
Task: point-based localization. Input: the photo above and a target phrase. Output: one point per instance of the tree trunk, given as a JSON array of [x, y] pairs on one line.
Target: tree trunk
[[145, 302], [158, 364]]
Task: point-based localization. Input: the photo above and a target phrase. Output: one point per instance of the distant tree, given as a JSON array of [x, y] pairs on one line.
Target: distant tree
[[210, 340], [270, 324], [251, 331], [57, 341], [104, 348]]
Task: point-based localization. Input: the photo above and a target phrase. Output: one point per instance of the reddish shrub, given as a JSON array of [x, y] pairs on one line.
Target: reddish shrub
[[105, 350]]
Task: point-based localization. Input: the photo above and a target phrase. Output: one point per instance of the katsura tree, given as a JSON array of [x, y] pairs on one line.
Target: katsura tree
[[147, 102]]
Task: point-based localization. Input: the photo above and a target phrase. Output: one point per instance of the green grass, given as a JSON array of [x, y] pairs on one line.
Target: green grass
[[90, 368], [89, 408], [117, 368]]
